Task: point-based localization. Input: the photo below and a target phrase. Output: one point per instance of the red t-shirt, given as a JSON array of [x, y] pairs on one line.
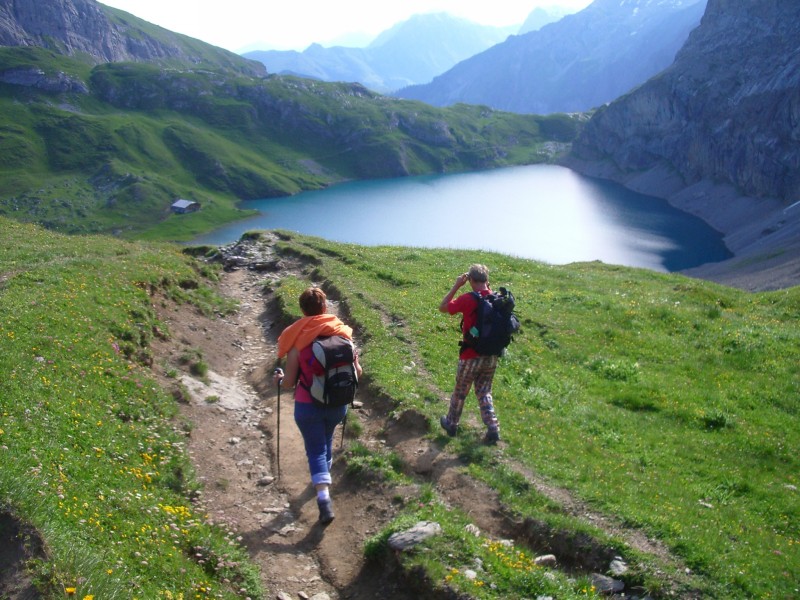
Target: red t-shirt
[[467, 305]]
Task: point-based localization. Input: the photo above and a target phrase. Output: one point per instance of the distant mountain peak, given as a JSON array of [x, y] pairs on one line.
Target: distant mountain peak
[[575, 64], [412, 51]]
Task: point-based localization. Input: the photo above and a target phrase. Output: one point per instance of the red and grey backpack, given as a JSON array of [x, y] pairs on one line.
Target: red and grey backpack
[[334, 381]]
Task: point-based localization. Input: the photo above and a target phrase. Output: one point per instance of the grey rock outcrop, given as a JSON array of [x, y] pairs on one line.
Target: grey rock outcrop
[[71, 25], [727, 110], [34, 77], [404, 540], [85, 27]]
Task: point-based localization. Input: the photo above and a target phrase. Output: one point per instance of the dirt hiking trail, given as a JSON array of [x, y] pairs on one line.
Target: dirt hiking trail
[[233, 419], [231, 416], [233, 445]]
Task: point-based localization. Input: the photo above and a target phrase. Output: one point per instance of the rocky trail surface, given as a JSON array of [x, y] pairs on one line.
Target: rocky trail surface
[[270, 505]]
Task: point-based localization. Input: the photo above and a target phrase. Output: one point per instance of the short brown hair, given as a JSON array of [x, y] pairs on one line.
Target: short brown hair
[[313, 301], [479, 273]]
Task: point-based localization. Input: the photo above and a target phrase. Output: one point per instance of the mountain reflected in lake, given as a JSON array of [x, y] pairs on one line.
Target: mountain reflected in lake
[[542, 212]]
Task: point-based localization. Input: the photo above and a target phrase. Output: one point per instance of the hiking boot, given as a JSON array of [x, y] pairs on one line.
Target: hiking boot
[[325, 511], [492, 437], [450, 429]]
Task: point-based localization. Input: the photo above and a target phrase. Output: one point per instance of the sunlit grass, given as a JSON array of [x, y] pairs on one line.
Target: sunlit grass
[[668, 402], [93, 458], [462, 560]]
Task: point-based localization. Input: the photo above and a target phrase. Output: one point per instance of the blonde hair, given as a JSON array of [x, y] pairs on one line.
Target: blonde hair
[[479, 273]]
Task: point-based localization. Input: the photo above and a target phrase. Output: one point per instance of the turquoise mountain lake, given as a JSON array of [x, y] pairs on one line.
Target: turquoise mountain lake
[[542, 212]]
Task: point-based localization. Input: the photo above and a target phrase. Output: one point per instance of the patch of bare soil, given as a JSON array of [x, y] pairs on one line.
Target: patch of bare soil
[[17, 546]]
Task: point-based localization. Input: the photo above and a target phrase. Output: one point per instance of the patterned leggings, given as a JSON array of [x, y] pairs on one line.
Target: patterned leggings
[[480, 372]]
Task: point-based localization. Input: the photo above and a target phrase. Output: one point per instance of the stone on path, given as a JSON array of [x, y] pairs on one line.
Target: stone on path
[[403, 540], [606, 585]]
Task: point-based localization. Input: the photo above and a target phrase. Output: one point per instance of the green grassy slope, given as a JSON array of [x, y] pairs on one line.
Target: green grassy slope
[[114, 158], [92, 451], [667, 403], [670, 403]]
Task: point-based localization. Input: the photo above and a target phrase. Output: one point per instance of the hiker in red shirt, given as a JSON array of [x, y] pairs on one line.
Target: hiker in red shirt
[[473, 369]]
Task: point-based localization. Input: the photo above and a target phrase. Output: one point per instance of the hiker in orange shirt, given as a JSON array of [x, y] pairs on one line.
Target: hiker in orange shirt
[[316, 423]]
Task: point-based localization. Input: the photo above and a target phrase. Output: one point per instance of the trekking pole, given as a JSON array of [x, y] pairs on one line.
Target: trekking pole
[[344, 424], [280, 383]]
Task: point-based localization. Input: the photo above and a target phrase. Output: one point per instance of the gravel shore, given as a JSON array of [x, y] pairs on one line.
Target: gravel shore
[[763, 234]]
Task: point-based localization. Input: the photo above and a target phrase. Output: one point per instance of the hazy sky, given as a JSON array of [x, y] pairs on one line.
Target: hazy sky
[[294, 24]]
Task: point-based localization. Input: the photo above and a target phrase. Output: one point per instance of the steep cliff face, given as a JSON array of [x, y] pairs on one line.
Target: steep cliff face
[[70, 25], [85, 27], [718, 135], [727, 110]]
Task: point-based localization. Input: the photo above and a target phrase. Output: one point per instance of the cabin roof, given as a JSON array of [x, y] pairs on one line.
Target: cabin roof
[[184, 203]]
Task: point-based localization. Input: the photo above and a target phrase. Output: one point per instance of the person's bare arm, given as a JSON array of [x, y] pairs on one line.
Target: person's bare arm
[[448, 297], [359, 370], [292, 371]]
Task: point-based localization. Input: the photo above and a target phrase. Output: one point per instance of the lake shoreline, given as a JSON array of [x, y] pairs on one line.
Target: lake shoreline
[[548, 213], [762, 234]]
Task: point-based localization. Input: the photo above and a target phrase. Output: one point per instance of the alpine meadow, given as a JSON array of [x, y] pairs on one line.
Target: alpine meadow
[[649, 423], [665, 403]]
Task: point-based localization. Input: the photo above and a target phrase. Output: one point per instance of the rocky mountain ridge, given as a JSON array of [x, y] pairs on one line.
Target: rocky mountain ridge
[[413, 51], [728, 109], [540, 16], [101, 34]]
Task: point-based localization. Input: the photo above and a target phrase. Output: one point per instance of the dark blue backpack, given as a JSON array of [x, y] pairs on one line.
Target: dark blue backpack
[[496, 323]]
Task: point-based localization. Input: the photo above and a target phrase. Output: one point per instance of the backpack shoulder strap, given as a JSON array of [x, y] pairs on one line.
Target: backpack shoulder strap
[[316, 351]]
